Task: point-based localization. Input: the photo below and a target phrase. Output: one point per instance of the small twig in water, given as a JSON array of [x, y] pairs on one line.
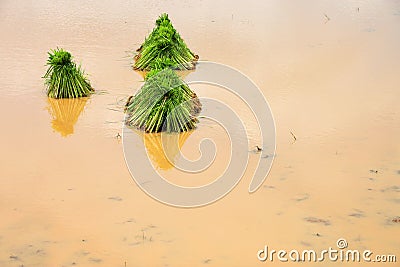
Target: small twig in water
[[327, 18], [295, 139], [143, 236]]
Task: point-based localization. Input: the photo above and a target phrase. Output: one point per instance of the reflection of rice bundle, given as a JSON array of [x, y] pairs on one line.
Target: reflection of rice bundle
[[164, 148], [65, 113]]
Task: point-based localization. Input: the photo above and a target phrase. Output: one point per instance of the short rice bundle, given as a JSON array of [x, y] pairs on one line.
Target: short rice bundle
[[64, 79], [164, 103], [164, 44]]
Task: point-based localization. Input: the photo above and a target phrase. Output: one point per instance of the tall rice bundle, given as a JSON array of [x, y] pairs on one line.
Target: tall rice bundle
[[164, 44], [64, 79]]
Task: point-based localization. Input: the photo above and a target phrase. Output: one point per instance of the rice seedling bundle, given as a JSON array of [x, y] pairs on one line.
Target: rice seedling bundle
[[64, 79], [164, 45], [164, 103]]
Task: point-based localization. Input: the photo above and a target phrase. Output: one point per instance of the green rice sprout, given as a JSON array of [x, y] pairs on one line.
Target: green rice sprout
[[164, 103], [164, 45], [64, 79]]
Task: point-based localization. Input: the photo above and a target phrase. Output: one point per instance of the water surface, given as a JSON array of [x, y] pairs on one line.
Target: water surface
[[329, 70]]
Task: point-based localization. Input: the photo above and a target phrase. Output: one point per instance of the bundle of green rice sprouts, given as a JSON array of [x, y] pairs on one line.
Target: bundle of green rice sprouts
[[165, 44], [64, 79], [164, 103]]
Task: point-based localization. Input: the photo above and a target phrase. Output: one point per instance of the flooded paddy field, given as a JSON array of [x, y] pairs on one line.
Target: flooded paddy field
[[329, 71]]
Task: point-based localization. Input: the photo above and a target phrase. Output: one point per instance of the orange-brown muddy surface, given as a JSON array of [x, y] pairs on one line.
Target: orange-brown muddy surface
[[329, 70]]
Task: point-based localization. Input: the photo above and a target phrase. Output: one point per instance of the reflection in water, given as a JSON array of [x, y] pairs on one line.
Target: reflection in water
[[65, 113], [164, 148]]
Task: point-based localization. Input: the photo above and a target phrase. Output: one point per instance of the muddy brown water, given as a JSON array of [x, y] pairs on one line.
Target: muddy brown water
[[329, 70]]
